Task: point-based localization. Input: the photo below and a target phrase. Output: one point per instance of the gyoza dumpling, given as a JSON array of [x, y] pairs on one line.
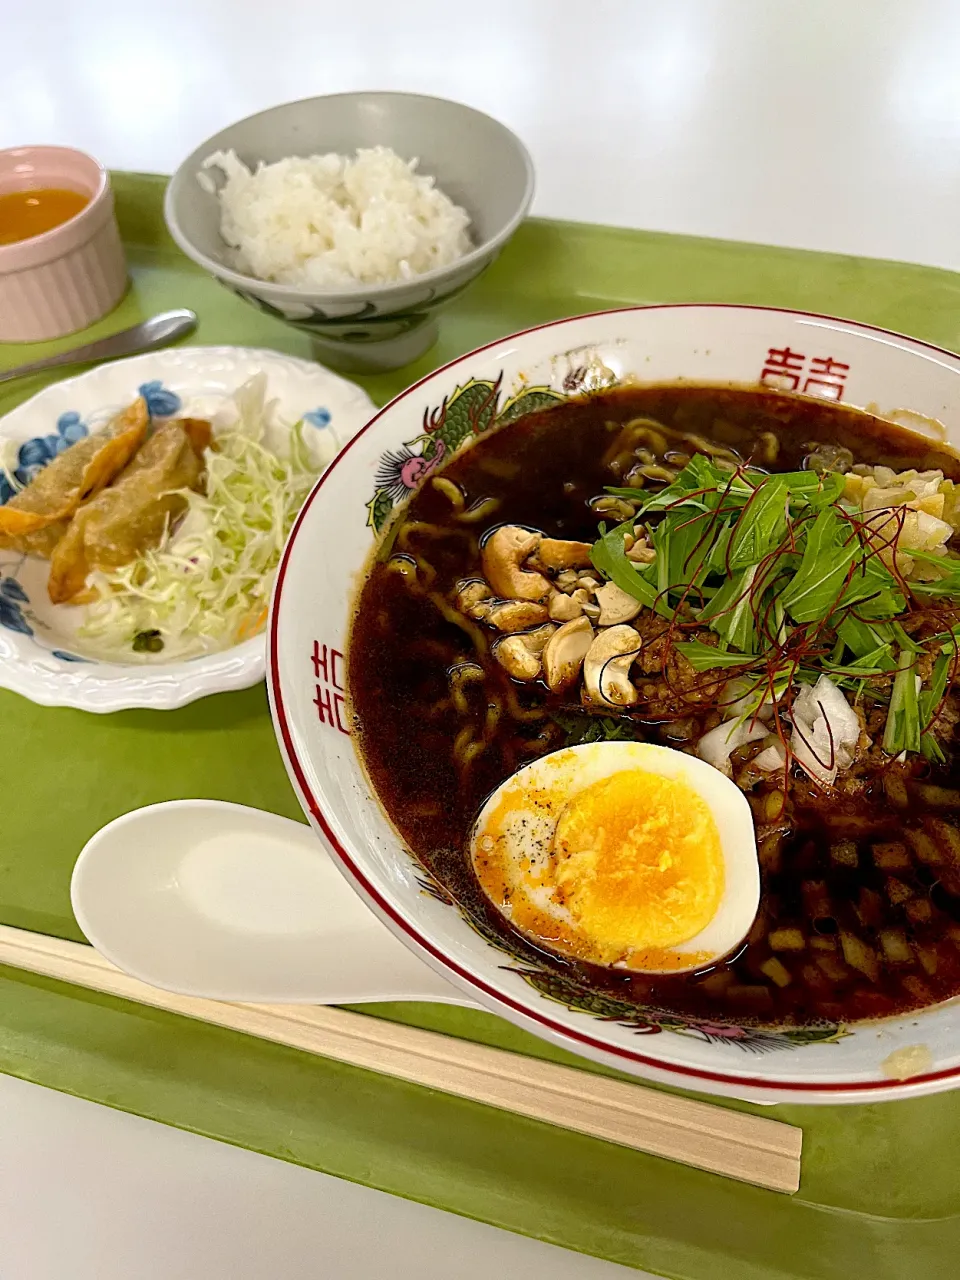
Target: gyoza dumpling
[[36, 518], [130, 516]]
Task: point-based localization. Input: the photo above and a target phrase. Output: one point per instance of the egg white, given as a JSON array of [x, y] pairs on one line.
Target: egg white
[[530, 825]]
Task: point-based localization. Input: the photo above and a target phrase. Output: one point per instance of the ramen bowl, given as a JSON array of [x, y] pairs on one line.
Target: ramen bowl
[[819, 357]]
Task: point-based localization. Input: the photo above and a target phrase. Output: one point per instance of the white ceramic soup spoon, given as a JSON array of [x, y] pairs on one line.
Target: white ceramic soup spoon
[[212, 899]]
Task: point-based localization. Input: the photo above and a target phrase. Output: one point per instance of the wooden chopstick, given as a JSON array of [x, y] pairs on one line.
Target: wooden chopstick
[[749, 1148]]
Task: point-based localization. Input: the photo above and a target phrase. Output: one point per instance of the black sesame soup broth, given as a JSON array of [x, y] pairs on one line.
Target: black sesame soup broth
[[860, 904]]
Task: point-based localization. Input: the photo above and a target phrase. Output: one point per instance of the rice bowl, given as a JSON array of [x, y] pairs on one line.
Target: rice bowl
[[474, 159]]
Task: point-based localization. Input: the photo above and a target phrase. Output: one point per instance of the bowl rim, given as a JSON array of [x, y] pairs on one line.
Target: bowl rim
[[37, 245], [296, 293], [677, 1074]]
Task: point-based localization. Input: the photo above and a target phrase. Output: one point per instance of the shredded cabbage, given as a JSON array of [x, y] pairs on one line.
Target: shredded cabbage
[[207, 585], [9, 461]]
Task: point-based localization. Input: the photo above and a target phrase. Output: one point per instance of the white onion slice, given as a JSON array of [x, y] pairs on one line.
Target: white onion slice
[[771, 758], [717, 745], [825, 731]]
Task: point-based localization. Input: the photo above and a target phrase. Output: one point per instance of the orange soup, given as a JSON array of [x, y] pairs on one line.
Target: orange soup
[[24, 214]]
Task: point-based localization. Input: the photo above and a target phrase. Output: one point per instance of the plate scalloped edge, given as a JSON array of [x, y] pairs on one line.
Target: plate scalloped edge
[[174, 380]]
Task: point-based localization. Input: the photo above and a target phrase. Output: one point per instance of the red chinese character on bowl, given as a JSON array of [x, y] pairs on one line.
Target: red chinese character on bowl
[[328, 699], [782, 369], [826, 378]]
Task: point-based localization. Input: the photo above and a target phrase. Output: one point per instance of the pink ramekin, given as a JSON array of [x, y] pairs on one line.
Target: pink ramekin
[[68, 277]]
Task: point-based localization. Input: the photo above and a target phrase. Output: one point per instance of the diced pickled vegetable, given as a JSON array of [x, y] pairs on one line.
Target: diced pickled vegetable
[[717, 983], [928, 958], [770, 852], [859, 956], [773, 803], [743, 781], [896, 949], [789, 939], [823, 942], [919, 910], [833, 967], [895, 789], [844, 854], [897, 891], [924, 847], [870, 907], [940, 797], [891, 856], [776, 971], [754, 998], [945, 835]]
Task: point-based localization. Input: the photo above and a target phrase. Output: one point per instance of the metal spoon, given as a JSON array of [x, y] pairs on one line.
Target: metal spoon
[[213, 899], [158, 331]]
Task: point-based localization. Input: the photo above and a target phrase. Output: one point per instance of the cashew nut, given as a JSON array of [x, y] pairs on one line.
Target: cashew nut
[[613, 508], [566, 580], [606, 668], [474, 598], [616, 605], [563, 608], [558, 553], [536, 640], [516, 659], [564, 653], [519, 655], [503, 555], [516, 615], [640, 550]]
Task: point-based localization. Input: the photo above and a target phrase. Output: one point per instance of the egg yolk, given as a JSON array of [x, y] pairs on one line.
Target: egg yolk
[[638, 863]]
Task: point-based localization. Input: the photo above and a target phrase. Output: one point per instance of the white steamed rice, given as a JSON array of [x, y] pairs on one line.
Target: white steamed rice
[[332, 221]]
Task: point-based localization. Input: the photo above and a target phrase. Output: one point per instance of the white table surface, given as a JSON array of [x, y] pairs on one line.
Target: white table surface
[[826, 124]]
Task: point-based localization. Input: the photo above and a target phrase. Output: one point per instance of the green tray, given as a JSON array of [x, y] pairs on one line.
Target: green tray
[[880, 1195]]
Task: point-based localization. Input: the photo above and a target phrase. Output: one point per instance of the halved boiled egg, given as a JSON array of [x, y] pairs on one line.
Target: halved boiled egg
[[623, 854]]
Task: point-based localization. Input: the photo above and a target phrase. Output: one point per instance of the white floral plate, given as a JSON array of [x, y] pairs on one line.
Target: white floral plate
[[41, 654], [900, 377]]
